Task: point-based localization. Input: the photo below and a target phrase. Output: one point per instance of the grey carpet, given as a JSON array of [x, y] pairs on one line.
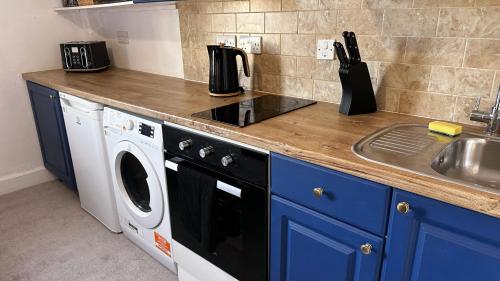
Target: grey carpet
[[45, 235]]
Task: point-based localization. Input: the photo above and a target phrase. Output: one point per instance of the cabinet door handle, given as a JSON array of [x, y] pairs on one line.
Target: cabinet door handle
[[52, 97], [403, 207], [366, 249], [318, 192]]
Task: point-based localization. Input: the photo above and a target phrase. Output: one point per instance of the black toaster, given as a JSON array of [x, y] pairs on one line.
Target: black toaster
[[85, 56]]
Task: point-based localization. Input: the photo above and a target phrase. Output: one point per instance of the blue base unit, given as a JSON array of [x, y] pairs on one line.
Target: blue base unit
[[431, 240], [359, 202], [51, 131], [306, 245]]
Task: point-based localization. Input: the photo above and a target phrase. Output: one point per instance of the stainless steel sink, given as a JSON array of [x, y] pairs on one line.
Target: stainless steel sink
[[470, 159]]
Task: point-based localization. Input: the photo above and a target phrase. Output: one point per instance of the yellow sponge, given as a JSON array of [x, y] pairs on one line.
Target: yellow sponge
[[445, 128]]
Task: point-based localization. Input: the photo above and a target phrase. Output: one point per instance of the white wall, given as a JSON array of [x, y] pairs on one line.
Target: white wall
[[30, 32], [154, 43]]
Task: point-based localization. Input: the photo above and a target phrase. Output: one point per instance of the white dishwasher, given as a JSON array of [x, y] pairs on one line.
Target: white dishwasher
[[83, 120]]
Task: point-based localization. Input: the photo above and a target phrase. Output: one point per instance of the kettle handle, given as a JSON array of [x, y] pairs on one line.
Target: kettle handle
[[244, 58]]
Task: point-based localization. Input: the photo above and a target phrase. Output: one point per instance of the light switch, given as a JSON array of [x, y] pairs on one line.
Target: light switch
[[228, 40], [251, 44], [325, 50]]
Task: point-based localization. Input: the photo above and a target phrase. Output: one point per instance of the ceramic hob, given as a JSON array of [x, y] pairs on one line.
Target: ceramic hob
[[254, 110]]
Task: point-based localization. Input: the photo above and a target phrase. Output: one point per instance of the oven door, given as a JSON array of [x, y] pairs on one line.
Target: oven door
[[240, 224]]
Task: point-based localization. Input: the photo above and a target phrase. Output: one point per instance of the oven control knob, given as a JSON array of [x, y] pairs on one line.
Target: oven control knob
[[183, 145], [227, 160], [204, 152], [128, 126]]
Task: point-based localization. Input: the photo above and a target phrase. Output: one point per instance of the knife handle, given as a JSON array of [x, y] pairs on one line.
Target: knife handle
[[344, 60], [356, 57], [346, 35]]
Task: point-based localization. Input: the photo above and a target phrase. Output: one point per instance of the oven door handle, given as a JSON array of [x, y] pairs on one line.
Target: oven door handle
[[220, 185]]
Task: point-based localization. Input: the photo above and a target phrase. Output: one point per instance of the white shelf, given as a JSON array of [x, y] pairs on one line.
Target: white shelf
[[111, 5]]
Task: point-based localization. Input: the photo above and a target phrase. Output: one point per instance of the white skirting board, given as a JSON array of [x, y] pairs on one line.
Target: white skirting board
[[14, 182]]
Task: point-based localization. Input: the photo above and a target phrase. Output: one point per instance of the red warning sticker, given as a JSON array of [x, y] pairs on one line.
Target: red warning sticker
[[162, 244]]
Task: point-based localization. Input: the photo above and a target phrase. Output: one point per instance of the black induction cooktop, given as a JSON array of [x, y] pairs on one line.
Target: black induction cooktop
[[254, 110]]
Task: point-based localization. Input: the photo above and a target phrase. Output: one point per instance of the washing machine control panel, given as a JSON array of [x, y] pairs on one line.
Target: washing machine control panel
[[146, 130], [141, 130]]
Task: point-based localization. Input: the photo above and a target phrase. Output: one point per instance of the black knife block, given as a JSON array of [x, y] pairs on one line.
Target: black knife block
[[357, 91]]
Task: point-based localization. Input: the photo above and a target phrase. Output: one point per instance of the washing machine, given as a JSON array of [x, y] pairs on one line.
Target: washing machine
[[135, 153]]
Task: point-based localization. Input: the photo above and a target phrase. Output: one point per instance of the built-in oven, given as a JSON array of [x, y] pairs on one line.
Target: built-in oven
[[240, 212]]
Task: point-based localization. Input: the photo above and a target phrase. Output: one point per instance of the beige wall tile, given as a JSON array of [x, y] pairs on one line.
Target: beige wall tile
[[387, 99], [363, 21], [224, 23], [349, 4], [496, 85], [322, 22], [199, 22], [469, 22], [297, 87], [307, 22], [276, 65], [427, 104], [209, 7], [299, 5], [288, 65], [382, 48], [376, 4], [441, 106], [271, 43], [340, 4], [252, 22], [482, 53], [410, 22], [200, 40], [435, 51], [328, 4], [271, 83], [265, 5], [405, 76], [442, 80], [327, 91], [236, 7], [305, 66], [281, 22], [298, 45], [473, 82], [487, 2], [325, 70], [442, 3], [267, 64]]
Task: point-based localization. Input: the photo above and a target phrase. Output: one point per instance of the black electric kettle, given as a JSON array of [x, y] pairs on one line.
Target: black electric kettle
[[223, 80]]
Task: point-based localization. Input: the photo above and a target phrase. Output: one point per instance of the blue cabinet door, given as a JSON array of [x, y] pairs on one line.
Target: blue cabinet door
[[306, 245], [438, 241], [52, 132]]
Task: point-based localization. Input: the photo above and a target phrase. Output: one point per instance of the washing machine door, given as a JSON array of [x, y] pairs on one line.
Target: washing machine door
[[138, 185]]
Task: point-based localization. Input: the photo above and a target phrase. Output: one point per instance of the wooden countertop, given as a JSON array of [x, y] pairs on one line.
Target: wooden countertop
[[317, 134]]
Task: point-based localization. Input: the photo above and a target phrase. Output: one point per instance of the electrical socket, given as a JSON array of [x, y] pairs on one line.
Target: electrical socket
[[251, 44], [227, 40], [325, 50]]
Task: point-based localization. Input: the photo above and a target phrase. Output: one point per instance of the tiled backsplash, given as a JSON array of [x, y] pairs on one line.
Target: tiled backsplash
[[428, 58]]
